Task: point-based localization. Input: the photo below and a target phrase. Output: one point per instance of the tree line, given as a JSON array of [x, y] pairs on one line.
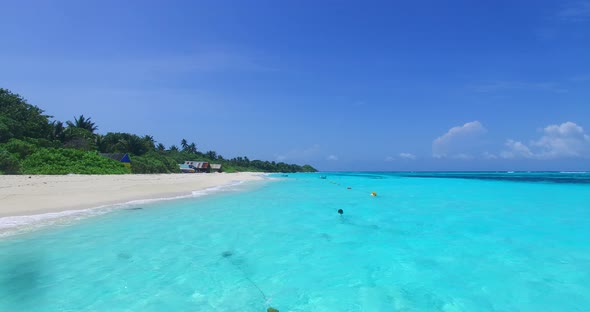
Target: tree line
[[31, 142]]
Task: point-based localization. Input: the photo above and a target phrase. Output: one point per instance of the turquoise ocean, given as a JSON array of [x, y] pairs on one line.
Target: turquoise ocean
[[426, 242]]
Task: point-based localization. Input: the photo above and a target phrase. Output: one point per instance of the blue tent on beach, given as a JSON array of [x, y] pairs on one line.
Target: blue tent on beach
[[124, 158]]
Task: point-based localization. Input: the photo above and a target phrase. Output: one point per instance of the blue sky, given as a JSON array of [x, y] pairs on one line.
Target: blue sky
[[341, 85]]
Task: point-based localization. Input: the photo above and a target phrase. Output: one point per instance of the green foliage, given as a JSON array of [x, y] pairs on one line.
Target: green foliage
[[20, 120], [79, 138], [149, 141], [182, 156], [64, 161], [186, 147], [52, 148], [192, 148], [6, 125], [82, 123], [308, 168], [57, 131], [154, 162], [125, 143], [236, 164], [20, 148], [43, 143], [8, 163], [211, 154]]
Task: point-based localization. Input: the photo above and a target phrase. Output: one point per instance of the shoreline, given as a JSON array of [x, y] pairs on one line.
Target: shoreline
[[25, 195]]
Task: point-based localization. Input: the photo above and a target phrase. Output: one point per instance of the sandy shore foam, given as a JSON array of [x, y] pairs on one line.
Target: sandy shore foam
[[27, 199]]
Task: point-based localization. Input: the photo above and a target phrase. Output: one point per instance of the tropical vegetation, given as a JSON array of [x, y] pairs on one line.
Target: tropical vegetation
[[32, 142]]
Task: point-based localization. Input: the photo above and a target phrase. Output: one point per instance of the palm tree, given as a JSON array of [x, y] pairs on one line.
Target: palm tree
[[173, 148], [184, 144], [161, 147], [58, 131], [82, 123], [100, 142], [133, 144], [149, 140], [211, 155], [192, 148]]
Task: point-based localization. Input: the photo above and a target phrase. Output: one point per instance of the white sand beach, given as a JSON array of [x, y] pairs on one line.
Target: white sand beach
[[36, 194]]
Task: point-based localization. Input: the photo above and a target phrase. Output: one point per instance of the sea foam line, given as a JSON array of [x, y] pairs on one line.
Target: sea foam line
[[13, 225]]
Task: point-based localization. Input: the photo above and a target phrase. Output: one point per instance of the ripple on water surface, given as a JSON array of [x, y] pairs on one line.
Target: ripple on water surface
[[421, 244]]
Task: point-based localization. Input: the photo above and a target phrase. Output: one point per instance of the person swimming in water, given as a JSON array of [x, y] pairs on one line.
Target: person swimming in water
[[340, 211]]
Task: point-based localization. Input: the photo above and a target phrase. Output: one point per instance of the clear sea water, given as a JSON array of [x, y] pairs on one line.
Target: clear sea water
[[426, 242]]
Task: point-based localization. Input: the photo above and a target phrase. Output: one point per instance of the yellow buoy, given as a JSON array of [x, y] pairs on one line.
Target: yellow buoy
[[374, 194]]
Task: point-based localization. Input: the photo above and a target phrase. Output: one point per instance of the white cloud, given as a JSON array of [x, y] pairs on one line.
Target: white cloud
[[458, 141], [488, 155], [557, 141], [565, 140], [402, 156], [407, 156], [332, 157], [516, 150], [577, 12]]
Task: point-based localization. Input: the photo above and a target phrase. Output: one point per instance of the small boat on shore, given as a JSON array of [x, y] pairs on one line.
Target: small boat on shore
[[186, 168]]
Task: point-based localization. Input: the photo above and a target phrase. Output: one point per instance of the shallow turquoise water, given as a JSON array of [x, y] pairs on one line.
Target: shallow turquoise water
[[427, 242]]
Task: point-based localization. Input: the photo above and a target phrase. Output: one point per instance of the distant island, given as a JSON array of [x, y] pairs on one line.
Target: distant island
[[32, 143]]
